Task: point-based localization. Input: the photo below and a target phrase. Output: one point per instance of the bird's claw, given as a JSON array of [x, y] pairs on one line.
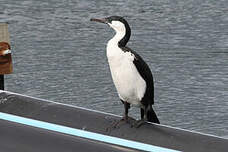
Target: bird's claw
[[118, 123], [139, 123]]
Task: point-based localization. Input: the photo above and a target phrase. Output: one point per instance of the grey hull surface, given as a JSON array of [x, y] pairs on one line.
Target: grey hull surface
[[92, 121], [21, 138]]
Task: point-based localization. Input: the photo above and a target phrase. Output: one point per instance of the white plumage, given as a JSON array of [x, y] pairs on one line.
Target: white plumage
[[127, 80]]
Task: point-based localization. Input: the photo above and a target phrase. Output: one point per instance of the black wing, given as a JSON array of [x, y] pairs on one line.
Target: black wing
[[146, 74]]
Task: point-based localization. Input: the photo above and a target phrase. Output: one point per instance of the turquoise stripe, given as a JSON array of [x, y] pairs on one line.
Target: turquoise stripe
[[84, 134]]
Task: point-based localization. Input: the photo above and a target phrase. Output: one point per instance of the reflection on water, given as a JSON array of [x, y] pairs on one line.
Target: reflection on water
[[59, 55]]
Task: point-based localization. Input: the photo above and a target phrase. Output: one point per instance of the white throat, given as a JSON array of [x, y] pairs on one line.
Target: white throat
[[118, 36], [113, 50], [120, 32]]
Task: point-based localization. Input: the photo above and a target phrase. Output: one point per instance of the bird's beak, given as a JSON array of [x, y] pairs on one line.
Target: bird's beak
[[103, 20]]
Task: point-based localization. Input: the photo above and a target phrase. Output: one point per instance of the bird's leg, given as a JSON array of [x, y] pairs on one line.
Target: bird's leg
[[125, 118], [126, 107], [139, 123], [142, 113]]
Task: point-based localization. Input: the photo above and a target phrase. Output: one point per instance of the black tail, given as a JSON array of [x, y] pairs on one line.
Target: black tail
[[151, 115]]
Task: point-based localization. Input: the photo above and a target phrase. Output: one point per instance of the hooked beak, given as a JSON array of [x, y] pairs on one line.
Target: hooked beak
[[103, 20]]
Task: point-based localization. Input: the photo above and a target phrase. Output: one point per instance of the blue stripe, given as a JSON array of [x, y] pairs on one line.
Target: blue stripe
[[84, 134]]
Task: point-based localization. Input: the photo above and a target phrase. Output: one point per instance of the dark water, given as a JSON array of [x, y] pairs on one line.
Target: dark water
[[59, 55]]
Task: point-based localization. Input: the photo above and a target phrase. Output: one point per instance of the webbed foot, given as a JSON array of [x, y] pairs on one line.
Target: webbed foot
[[118, 123], [139, 123]]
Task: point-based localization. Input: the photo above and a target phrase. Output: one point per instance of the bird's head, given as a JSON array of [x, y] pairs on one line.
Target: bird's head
[[119, 24], [4, 48]]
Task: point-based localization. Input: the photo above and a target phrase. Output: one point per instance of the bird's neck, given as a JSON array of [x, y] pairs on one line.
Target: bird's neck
[[114, 42], [113, 48], [117, 42]]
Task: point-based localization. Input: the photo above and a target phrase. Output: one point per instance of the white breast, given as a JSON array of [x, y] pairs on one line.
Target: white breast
[[128, 82]]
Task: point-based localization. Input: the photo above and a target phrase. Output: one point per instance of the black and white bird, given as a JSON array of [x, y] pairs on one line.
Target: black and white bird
[[130, 73]]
